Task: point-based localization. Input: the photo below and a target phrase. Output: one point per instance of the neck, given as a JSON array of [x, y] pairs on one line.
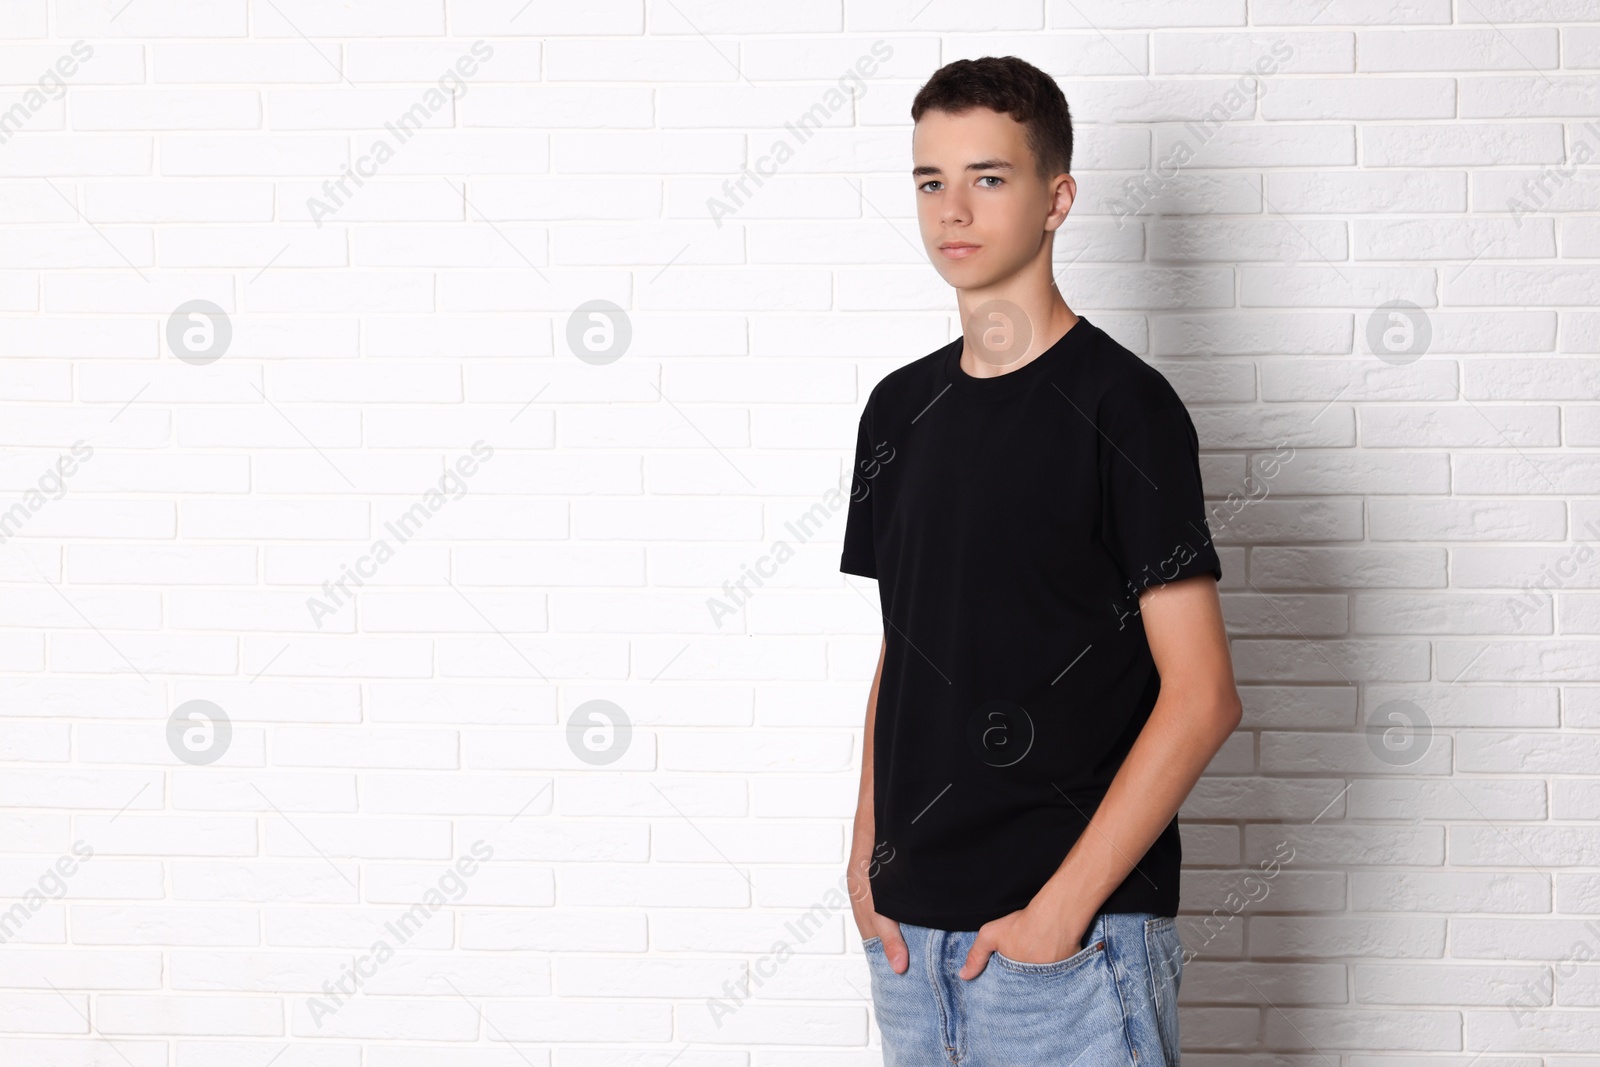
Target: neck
[[1000, 336]]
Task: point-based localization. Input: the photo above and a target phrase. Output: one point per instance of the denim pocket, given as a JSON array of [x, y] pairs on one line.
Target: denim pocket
[[1064, 1012], [1073, 962], [905, 1006]]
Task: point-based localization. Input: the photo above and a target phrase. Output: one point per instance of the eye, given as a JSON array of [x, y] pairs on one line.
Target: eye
[[924, 186], [992, 178]]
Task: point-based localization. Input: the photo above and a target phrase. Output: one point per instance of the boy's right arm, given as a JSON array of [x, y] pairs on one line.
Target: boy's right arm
[[863, 844]]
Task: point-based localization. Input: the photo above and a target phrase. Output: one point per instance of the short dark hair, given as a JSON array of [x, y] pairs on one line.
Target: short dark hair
[[1012, 87]]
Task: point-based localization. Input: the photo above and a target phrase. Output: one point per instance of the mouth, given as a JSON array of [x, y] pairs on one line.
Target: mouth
[[958, 249]]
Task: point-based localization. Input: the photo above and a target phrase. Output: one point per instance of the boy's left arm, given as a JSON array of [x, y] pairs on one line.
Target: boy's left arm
[[1196, 711]]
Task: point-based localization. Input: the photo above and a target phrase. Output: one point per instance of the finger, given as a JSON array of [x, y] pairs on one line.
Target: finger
[[894, 946], [977, 956]]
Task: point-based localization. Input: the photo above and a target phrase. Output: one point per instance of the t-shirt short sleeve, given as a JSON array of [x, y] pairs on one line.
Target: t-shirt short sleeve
[[1152, 500], [859, 555]]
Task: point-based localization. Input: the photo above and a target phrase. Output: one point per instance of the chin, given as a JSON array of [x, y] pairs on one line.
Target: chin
[[968, 275]]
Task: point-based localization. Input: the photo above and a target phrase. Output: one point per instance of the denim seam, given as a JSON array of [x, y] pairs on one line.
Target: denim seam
[[1151, 953], [1116, 983], [958, 1001], [1155, 994], [935, 953]]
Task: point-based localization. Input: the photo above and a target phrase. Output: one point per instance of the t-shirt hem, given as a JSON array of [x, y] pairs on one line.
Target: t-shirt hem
[[974, 920], [938, 921], [865, 570], [1136, 894], [1204, 563]]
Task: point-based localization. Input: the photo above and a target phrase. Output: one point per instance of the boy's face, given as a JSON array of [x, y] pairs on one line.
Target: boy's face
[[981, 205]]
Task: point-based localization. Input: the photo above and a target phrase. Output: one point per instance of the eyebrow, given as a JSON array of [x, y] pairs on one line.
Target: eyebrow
[[982, 164]]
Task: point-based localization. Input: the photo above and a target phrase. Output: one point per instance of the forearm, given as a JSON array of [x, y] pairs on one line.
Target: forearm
[[1186, 727], [1184, 732], [863, 830]]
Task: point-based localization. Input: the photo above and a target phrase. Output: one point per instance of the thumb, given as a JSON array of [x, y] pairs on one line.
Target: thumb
[[894, 946], [978, 955]]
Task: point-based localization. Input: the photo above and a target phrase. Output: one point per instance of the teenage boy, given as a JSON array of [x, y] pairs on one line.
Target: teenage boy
[[1054, 673]]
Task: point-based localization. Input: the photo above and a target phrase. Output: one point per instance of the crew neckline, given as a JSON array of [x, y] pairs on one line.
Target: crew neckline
[[1009, 383]]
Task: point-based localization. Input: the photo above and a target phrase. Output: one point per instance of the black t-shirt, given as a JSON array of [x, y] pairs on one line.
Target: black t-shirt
[[1011, 522]]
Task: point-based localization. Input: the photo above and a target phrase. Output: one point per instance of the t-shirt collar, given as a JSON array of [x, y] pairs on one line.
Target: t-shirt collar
[[1011, 382]]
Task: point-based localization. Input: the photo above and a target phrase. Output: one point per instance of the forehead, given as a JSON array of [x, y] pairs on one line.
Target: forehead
[[953, 140]]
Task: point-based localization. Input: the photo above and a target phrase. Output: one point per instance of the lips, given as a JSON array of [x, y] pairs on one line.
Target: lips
[[958, 249]]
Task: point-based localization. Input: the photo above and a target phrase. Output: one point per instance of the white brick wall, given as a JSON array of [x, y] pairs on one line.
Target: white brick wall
[[1427, 554]]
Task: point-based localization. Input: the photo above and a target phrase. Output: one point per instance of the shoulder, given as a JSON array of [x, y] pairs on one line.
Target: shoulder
[[910, 386], [1125, 386]]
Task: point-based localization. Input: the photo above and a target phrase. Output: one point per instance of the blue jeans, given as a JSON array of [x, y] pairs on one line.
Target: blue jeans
[[1113, 1004]]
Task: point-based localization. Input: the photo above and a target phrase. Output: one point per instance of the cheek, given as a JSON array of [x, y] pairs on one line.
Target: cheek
[[930, 223], [1016, 215]]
